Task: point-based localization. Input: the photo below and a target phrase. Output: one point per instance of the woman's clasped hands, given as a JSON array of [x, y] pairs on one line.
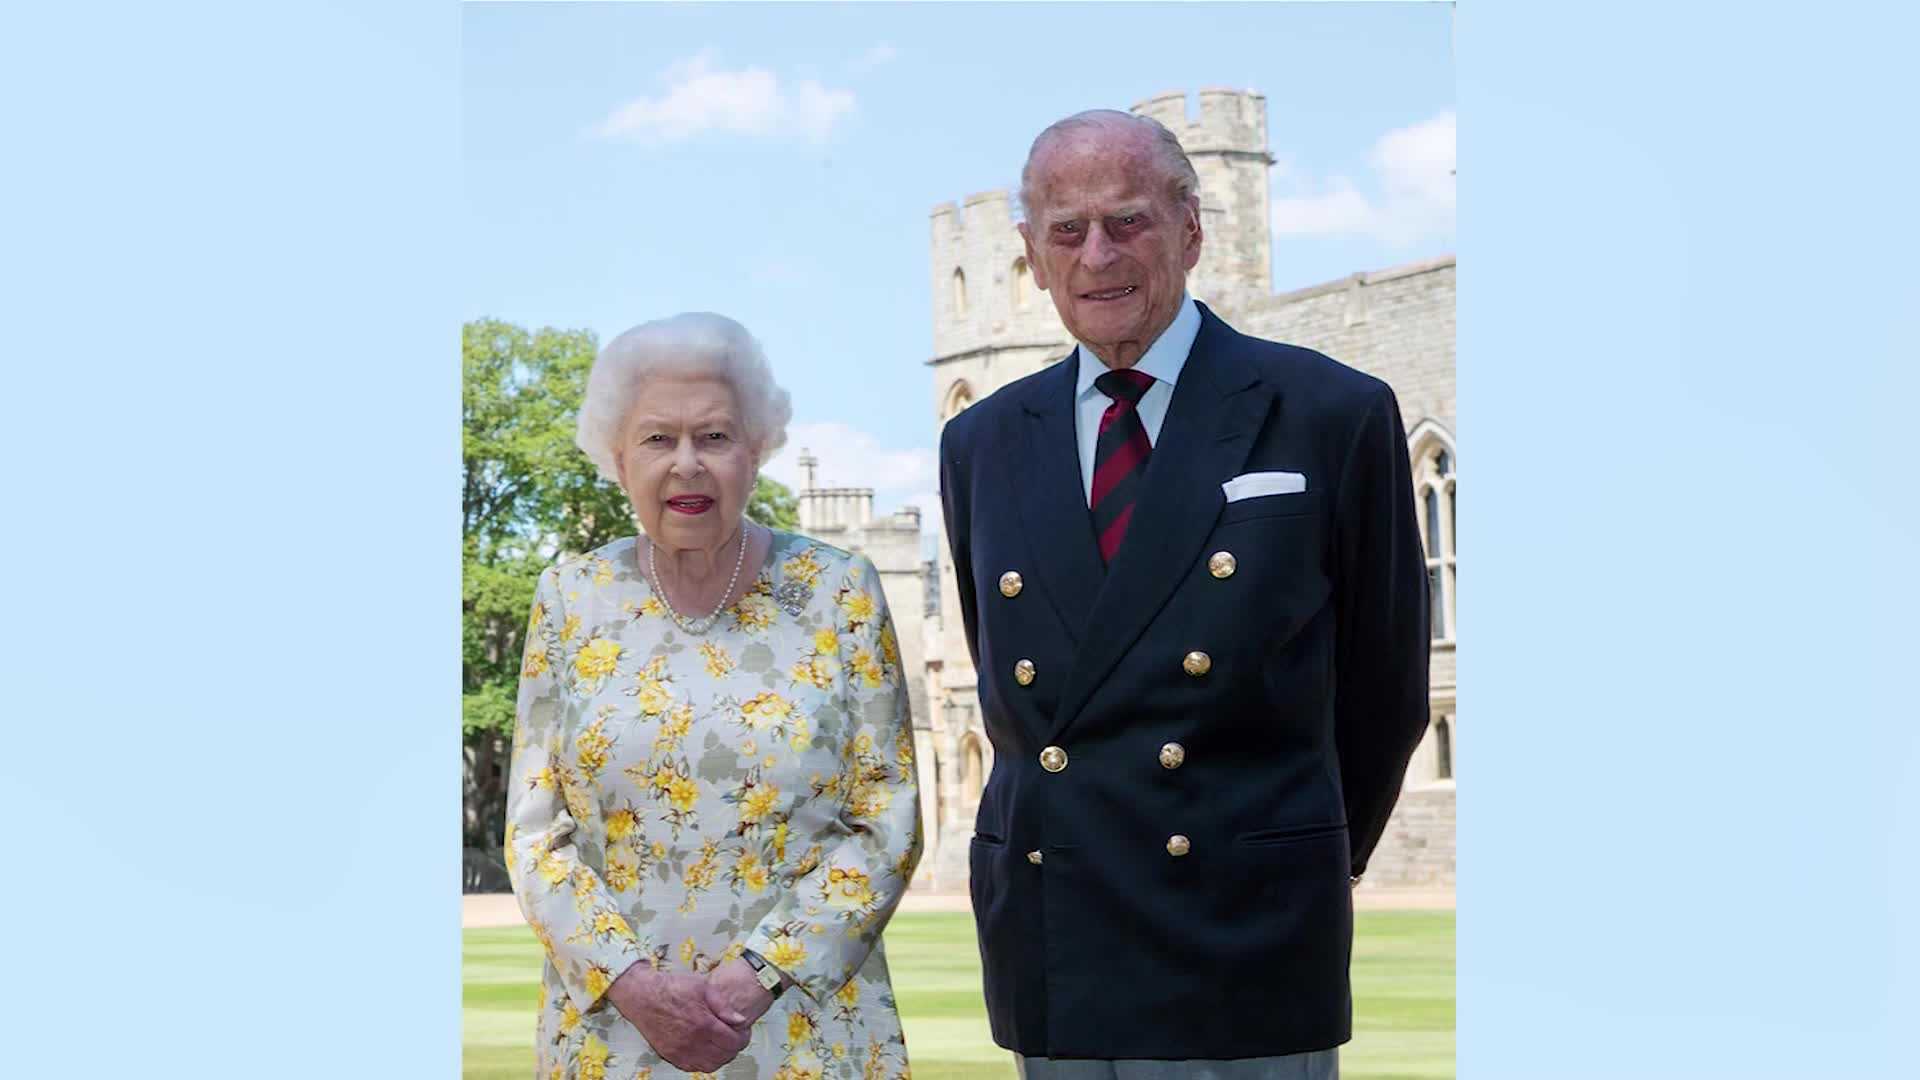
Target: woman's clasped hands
[[696, 1022]]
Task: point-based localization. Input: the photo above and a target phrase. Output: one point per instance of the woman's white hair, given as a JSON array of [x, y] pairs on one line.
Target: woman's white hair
[[691, 343]]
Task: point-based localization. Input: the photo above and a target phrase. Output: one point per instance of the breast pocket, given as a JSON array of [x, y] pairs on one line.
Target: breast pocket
[[1266, 554], [1290, 504]]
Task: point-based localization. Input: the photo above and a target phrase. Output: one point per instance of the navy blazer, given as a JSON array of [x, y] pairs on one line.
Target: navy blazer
[[1097, 938]]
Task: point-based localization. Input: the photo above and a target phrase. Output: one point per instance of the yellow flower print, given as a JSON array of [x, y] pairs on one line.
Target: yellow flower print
[[754, 612], [569, 1018], [536, 665], [593, 1059], [541, 778], [802, 738], [718, 662], [579, 806], [848, 888], [758, 803], [764, 709], [890, 645], [602, 572], [598, 979], [623, 873], [570, 627], [816, 672], [869, 799], [863, 663], [863, 743], [788, 952], [673, 729], [659, 849], [849, 995], [858, 607], [826, 641], [780, 841], [538, 615], [621, 823], [683, 792], [597, 659], [903, 747], [608, 923], [804, 566], [687, 951], [801, 1066], [839, 1051], [655, 696], [591, 746], [799, 1028], [553, 869], [652, 606], [755, 878]]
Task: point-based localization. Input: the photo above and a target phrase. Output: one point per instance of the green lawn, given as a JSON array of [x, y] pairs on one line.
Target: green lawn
[[1402, 973]]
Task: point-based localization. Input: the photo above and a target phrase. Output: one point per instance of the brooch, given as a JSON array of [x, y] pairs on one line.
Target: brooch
[[792, 596]]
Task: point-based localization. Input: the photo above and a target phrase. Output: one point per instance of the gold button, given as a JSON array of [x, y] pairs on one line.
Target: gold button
[[1178, 845], [1173, 755], [1197, 663], [1010, 584], [1221, 565], [1034, 857], [1053, 759], [1023, 672]]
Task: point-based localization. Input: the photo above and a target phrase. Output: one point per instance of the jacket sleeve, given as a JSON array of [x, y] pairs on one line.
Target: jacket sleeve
[[1380, 589], [955, 509], [829, 917], [564, 899]]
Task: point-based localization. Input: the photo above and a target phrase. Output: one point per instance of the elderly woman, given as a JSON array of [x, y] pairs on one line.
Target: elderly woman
[[712, 810]]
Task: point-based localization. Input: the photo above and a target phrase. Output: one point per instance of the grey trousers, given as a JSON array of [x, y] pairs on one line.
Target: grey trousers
[[1313, 1065]]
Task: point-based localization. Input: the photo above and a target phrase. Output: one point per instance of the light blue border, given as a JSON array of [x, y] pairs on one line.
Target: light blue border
[[1688, 820], [232, 441]]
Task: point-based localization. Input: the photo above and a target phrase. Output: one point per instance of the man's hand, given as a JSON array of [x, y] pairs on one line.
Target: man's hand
[[735, 995], [672, 1014]]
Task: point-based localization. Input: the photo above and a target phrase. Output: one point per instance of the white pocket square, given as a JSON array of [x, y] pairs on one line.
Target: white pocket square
[[1249, 485]]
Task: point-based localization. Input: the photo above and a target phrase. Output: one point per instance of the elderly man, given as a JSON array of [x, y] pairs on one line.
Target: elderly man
[[1194, 592]]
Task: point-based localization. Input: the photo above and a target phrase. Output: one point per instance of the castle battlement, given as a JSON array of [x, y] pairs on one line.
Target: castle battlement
[[1229, 121]]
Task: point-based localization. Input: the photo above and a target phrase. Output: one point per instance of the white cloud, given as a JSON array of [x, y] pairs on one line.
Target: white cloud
[[850, 457], [879, 54], [1413, 169], [751, 101]]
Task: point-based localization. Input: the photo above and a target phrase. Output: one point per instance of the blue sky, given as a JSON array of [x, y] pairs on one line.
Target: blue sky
[[777, 163]]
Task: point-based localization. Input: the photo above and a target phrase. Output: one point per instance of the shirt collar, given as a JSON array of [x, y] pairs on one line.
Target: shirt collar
[[1163, 359]]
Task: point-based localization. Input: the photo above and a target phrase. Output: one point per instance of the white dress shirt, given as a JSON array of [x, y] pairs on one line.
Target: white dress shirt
[[1163, 360]]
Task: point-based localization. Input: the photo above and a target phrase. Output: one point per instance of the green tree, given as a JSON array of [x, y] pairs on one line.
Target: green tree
[[529, 496]]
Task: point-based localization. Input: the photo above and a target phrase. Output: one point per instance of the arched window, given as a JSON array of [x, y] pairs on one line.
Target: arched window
[[1022, 284], [959, 294], [959, 396], [1443, 747], [1433, 486], [973, 770]]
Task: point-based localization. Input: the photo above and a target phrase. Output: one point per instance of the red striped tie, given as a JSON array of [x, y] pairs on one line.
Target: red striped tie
[[1119, 457]]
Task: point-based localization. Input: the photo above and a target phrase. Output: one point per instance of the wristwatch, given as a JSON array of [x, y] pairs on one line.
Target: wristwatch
[[766, 974]]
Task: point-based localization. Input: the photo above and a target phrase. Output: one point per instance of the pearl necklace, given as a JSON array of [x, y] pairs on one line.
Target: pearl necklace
[[696, 626]]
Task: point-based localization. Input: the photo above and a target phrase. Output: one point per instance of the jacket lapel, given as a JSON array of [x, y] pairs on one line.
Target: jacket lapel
[[1217, 409], [1054, 501]]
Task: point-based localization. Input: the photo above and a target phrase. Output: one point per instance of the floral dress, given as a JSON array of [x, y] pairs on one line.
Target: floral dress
[[675, 799]]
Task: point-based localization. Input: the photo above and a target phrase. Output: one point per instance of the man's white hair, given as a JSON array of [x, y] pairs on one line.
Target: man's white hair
[[691, 343], [1183, 184]]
